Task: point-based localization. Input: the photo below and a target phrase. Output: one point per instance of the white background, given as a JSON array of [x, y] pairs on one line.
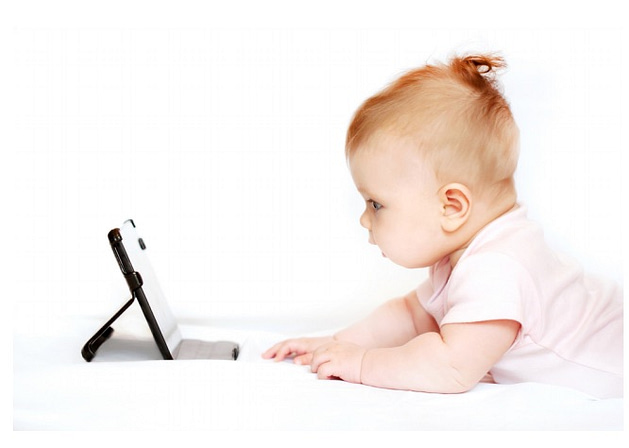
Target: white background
[[221, 133]]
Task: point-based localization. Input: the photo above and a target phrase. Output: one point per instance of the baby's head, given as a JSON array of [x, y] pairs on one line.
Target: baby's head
[[454, 115], [434, 156]]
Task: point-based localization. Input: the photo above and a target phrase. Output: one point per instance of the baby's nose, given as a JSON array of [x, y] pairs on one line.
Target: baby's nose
[[366, 223], [364, 220]]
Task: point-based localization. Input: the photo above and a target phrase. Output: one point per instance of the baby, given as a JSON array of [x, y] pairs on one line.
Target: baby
[[434, 156]]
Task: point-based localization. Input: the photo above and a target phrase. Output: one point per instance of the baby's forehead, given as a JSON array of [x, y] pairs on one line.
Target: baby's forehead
[[392, 146], [390, 157]]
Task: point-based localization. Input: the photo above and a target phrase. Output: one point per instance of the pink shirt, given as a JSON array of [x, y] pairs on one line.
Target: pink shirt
[[571, 323]]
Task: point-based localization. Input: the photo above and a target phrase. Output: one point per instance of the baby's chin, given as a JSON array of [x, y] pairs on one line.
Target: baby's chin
[[408, 264]]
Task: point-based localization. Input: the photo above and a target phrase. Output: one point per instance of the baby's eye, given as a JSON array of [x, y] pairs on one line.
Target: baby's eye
[[376, 206]]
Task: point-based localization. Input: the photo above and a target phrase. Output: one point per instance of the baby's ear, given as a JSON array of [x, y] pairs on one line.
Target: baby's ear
[[456, 200]]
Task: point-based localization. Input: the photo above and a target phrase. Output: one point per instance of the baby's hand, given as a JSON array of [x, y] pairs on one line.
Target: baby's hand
[[301, 349], [338, 360]]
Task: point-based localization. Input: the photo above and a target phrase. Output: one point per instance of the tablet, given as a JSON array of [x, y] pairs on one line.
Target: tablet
[[129, 250]]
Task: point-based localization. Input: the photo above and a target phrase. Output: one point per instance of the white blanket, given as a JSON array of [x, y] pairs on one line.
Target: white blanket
[[55, 389]]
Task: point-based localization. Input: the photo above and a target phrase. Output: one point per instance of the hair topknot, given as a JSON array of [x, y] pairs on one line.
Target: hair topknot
[[478, 70]]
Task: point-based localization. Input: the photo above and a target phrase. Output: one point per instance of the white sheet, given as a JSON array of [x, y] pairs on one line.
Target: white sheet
[[55, 389]]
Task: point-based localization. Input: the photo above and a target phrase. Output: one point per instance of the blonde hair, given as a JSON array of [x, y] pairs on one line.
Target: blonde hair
[[454, 113]]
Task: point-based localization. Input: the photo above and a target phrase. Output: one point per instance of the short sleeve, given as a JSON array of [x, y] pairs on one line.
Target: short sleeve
[[487, 286]]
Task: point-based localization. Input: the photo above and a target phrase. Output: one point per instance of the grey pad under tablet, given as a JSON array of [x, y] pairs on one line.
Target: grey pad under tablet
[[195, 349]]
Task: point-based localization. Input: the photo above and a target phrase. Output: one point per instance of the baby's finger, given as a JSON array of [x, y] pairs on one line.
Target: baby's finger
[[326, 371], [304, 359], [283, 352], [288, 348], [319, 357], [272, 351]]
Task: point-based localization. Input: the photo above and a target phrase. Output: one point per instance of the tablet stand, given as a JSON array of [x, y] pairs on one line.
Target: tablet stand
[[134, 280]]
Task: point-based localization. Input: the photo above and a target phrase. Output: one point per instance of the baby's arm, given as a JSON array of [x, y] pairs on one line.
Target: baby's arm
[[391, 324], [448, 362]]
